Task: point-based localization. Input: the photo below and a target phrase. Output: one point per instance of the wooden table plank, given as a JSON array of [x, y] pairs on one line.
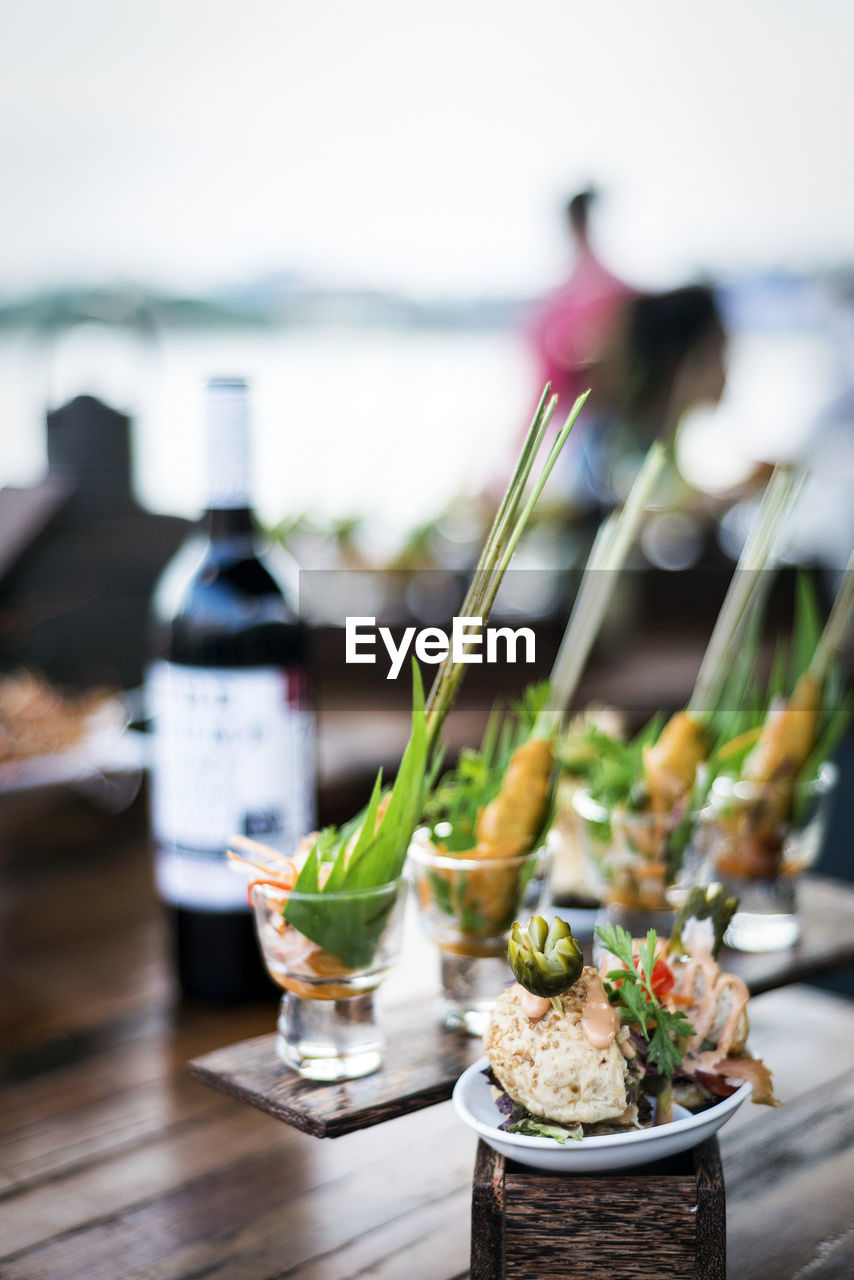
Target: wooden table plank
[[270, 1201], [802, 1155], [117, 1164], [238, 1198]]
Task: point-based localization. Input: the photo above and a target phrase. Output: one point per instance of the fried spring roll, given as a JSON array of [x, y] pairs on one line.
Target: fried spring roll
[[788, 736], [671, 763], [519, 810]]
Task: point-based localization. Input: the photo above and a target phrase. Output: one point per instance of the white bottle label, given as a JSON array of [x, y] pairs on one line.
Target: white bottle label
[[233, 755]]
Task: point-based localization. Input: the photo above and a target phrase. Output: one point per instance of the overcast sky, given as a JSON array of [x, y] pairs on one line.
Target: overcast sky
[[190, 142]]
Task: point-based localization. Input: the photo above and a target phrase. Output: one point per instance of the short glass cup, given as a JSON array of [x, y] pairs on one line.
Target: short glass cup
[[467, 907], [640, 863], [759, 858], [329, 1026]]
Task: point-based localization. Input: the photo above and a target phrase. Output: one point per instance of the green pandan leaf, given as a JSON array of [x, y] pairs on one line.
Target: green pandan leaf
[[349, 926]]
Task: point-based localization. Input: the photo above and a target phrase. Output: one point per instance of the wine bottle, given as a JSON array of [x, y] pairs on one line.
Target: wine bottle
[[233, 732]]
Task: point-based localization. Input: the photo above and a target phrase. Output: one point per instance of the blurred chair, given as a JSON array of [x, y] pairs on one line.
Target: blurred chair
[[79, 557]]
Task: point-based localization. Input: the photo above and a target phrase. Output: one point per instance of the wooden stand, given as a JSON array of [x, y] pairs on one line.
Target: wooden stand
[[664, 1219]]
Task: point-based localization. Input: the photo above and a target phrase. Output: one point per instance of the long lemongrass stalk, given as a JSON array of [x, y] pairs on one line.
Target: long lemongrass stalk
[[505, 515], [505, 512], [748, 587], [607, 556], [507, 528], [836, 628]]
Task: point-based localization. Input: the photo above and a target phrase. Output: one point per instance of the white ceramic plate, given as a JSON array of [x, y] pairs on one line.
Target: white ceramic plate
[[474, 1104]]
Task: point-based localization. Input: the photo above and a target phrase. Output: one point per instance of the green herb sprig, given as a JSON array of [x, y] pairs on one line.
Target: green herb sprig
[[632, 988], [611, 768]]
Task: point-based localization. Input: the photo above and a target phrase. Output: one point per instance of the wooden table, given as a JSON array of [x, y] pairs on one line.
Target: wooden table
[[114, 1163]]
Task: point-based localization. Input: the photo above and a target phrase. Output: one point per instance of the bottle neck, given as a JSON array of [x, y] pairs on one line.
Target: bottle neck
[[227, 446], [230, 524]]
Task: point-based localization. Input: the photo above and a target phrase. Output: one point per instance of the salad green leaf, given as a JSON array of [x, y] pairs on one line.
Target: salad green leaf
[[533, 1128]]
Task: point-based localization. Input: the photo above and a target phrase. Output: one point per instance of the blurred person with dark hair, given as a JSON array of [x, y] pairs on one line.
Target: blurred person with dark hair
[[667, 355], [646, 359]]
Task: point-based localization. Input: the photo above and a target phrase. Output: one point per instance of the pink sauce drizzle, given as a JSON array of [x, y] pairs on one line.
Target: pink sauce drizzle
[[534, 1007], [599, 1020]]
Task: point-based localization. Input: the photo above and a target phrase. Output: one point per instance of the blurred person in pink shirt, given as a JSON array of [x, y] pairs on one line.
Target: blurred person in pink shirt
[[571, 330], [573, 325]]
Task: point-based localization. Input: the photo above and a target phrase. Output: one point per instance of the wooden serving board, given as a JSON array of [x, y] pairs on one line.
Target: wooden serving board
[[423, 1061], [421, 1064]]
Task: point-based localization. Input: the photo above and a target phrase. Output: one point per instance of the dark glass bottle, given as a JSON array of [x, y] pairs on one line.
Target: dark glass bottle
[[233, 733]]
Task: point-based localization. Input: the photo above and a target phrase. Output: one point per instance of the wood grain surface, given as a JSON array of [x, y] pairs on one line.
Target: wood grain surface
[[116, 1165], [420, 1067]]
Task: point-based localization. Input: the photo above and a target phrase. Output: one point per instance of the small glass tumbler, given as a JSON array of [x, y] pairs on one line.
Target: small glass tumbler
[[467, 906], [330, 952], [759, 857], [641, 863]]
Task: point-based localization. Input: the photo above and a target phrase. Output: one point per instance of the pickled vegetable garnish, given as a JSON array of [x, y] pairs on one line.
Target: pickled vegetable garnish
[[703, 904], [545, 959]]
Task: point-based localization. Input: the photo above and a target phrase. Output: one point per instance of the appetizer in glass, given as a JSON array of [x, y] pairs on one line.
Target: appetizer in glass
[[637, 812], [772, 781], [329, 922], [481, 857], [641, 803]]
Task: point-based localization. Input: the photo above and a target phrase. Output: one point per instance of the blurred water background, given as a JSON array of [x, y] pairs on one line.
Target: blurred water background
[[358, 210], [384, 424], [355, 207]]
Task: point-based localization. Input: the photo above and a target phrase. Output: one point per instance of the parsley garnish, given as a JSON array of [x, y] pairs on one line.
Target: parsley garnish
[[633, 989]]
